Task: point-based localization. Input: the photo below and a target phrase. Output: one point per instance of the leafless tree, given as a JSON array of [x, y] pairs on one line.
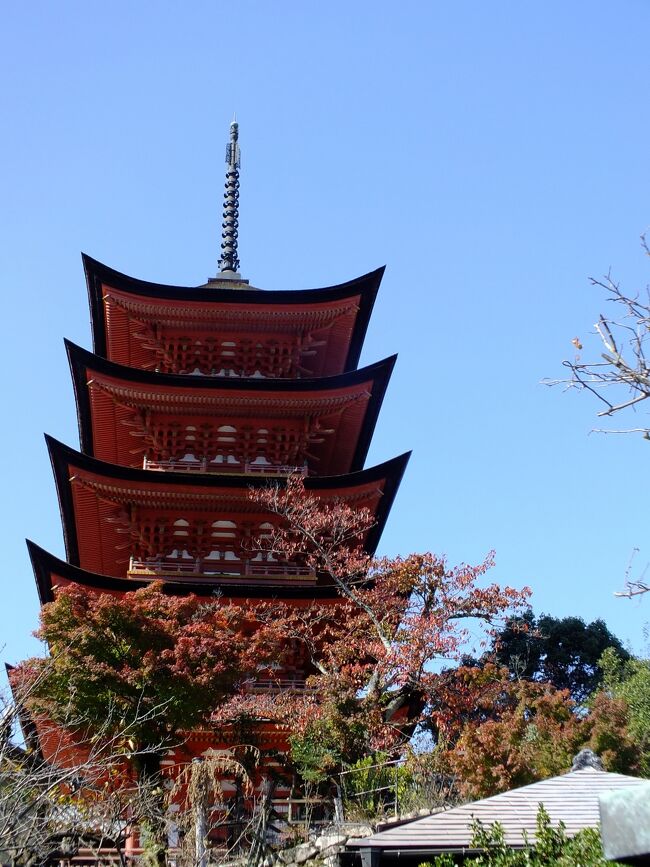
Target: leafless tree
[[61, 793], [65, 790], [634, 586], [619, 377]]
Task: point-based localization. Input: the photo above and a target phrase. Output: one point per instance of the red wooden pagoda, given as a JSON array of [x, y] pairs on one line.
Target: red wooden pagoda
[[191, 396]]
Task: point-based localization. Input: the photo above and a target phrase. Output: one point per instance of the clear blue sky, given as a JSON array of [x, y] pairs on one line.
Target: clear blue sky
[[492, 154]]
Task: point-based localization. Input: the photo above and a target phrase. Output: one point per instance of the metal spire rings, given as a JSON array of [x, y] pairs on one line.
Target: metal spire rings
[[229, 260]]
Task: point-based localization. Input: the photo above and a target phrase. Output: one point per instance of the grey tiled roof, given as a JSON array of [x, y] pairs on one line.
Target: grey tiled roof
[[571, 798]]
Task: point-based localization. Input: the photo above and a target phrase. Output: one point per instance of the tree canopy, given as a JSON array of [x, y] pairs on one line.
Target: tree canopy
[[521, 731], [373, 658], [172, 659], [629, 681], [562, 651]]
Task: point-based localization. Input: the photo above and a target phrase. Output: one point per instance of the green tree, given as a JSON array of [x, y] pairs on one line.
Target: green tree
[[629, 681], [145, 650], [563, 651], [164, 662]]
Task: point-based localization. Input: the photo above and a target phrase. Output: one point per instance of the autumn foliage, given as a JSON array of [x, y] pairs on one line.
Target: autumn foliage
[[166, 660], [381, 658], [374, 655], [520, 731]]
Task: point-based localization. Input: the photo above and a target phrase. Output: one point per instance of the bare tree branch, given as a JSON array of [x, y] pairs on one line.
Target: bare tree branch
[[622, 367]]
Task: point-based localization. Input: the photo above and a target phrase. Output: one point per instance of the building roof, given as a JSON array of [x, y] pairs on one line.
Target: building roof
[[89, 490], [207, 304], [107, 395], [51, 572], [570, 798]]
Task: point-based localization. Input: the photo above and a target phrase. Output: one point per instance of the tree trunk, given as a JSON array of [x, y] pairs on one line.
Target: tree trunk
[[154, 821]]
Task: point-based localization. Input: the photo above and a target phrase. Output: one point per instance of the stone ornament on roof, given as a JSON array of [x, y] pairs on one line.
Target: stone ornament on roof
[[587, 759]]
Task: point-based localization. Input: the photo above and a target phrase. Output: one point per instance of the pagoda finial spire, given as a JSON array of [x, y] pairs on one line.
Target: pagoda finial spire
[[229, 261]]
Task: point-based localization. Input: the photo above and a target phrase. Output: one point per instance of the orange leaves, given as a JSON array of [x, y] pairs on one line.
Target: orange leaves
[[526, 731], [365, 659], [520, 731], [396, 617], [170, 660], [328, 538]]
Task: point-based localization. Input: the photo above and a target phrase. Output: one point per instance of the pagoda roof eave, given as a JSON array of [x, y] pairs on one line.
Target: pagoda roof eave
[[46, 566], [82, 360], [365, 286], [63, 457], [24, 716]]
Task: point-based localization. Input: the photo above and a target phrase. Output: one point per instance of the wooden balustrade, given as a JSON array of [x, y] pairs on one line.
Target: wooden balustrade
[[206, 568], [279, 685], [206, 466]]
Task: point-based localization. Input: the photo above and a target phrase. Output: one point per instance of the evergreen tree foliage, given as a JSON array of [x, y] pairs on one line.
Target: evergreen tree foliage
[[562, 651]]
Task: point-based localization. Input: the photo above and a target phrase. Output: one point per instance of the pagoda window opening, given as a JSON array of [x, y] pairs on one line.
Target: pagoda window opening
[[181, 528], [224, 536], [261, 445], [217, 554], [224, 529], [190, 445], [226, 442], [179, 554], [221, 556]]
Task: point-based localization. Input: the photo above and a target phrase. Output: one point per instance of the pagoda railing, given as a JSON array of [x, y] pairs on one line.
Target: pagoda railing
[[206, 466], [205, 568], [279, 685]]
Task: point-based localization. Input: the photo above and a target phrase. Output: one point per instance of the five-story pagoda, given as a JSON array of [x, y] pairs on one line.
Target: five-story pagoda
[[192, 396]]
